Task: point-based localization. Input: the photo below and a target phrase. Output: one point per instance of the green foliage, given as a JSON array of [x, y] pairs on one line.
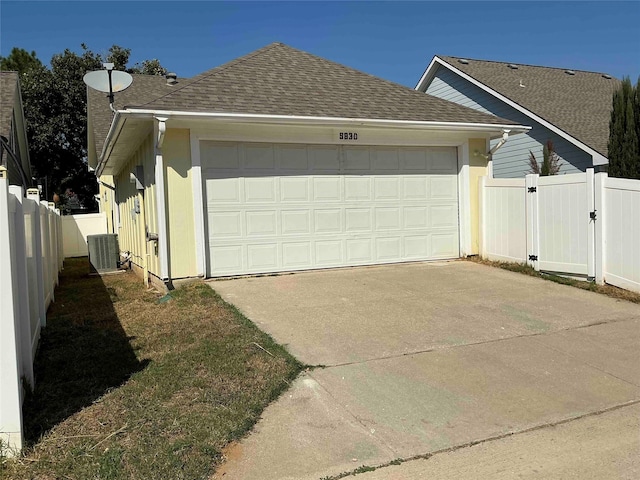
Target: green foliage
[[19, 60], [55, 107], [550, 161], [624, 131]]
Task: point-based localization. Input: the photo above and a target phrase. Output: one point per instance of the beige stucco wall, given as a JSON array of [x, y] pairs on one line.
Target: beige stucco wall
[[477, 168], [176, 151]]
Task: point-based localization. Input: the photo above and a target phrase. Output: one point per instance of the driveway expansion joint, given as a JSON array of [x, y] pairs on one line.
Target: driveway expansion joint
[[473, 443]]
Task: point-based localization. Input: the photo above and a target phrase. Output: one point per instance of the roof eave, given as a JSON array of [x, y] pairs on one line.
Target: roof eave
[[320, 120]]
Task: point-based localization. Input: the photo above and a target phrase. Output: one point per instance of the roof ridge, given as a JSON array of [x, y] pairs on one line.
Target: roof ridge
[[444, 57], [212, 71]]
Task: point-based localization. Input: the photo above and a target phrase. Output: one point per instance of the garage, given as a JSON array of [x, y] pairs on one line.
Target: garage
[[282, 207]]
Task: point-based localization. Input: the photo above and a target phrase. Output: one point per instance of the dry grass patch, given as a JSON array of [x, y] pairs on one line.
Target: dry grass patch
[[132, 386], [608, 290]]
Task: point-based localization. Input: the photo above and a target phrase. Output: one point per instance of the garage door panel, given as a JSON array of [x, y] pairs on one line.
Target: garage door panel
[[293, 158], [329, 252], [325, 159], [295, 189], [262, 256], [416, 246], [389, 249], [443, 187], [260, 190], [261, 223], [223, 190], [415, 187], [225, 224], [357, 189], [357, 159], [388, 218], [219, 155], [385, 160], [442, 160], [296, 254], [328, 220], [226, 259], [357, 219], [443, 216], [415, 218], [413, 159], [359, 250], [259, 156], [291, 207], [296, 222], [327, 189], [386, 188], [441, 245]]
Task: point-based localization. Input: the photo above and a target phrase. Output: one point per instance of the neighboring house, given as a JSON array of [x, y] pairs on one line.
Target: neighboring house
[[281, 160], [572, 108], [14, 148]]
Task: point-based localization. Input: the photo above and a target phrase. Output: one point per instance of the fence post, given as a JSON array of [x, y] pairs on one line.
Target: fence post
[[591, 231], [10, 399], [482, 184], [533, 238], [600, 237], [22, 287], [34, 194]]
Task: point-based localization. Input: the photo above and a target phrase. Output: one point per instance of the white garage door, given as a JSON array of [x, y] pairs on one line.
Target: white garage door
[[279, 207]]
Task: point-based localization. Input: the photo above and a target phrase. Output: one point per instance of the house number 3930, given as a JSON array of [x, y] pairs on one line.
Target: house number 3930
[[348, 136]]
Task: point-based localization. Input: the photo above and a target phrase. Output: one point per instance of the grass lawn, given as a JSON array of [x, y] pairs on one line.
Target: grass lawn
[[132, 385], [608, 290]]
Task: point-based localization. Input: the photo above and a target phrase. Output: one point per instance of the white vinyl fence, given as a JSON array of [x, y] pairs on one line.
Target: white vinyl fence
[[30, 259], [76, 228], [582, 224]]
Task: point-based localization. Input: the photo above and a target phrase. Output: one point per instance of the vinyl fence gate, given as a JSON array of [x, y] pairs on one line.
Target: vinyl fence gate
[[583, 224]]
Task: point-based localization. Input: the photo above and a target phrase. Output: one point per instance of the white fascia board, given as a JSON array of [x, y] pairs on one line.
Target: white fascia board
[[597, 158], [114, 132], [310, 120], [427, 75]]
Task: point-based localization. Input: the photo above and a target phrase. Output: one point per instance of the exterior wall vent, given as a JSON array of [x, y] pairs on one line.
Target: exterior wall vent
[[513, 66], [463, 61], [104, 253], [569, 72]]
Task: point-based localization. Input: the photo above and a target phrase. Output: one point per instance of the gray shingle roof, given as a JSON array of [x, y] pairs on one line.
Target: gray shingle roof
[[280, 80], [143, 89], [8, 90], [579, 104]]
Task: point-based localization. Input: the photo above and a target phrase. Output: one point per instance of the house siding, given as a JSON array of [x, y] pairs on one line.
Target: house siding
[[512, 160], [132, 230]]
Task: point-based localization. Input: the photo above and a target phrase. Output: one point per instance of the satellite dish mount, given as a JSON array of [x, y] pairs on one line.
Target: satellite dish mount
[[109, 81]]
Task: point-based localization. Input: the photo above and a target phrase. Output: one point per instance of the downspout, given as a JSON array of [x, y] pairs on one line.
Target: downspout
[[161, 204], [497, 146]]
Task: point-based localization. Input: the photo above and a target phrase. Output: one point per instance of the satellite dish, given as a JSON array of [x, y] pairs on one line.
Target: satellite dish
[[99, 80], [109, 81]]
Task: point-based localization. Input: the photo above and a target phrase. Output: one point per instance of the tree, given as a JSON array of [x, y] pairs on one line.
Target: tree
[[21, 61], [550, 161], [624, 131], [55, 108]]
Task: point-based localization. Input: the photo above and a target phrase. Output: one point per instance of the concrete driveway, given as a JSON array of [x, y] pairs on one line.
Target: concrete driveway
[[458, 362]]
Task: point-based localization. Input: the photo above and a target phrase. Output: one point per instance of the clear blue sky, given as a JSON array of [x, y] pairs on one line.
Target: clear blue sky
[[394, 40]]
